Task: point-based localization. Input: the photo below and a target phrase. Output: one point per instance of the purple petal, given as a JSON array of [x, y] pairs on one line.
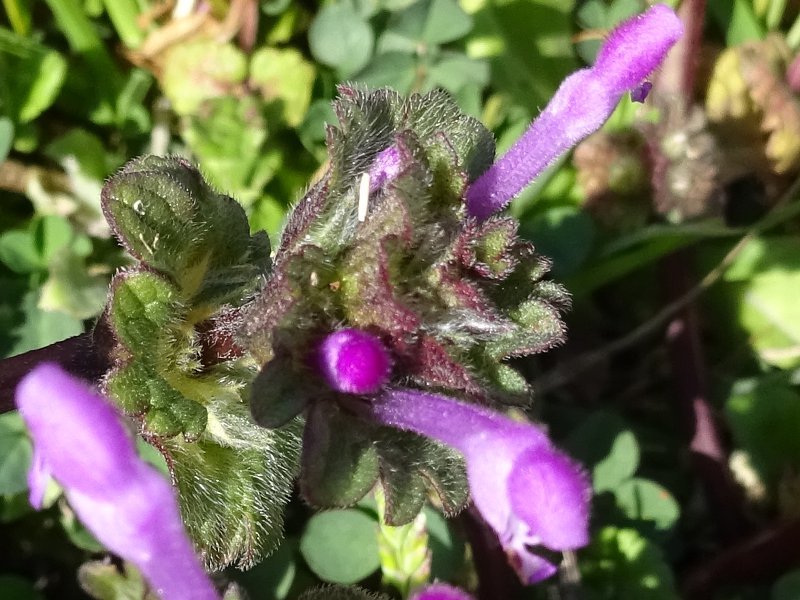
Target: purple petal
[[354, 362], [440, 591], [528, 492], [580, 106], [531, 568], [636, 47], [490, 463], [551, 494], [39, 476], [123, 501], [144, 526], [77, 434]]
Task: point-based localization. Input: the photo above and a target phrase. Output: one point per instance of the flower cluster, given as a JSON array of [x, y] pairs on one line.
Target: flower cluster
[[397, 295], [382, 325]]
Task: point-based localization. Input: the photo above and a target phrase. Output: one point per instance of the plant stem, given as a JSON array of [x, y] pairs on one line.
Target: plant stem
[[761, 557], [675, 92], [496, 578], [708, 455], [77, 355]]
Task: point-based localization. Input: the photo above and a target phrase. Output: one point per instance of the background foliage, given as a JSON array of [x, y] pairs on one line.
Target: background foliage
[[706, 249]]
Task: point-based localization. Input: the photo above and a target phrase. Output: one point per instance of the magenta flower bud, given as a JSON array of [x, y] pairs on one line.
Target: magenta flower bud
[[79, 440], [580, 106], [440, 591], [354, 362], [529, 492]]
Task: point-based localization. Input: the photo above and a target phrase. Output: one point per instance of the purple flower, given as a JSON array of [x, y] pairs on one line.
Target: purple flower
[[80, 441], [580, 106], [530, 493], [440, 591], [527, 491]]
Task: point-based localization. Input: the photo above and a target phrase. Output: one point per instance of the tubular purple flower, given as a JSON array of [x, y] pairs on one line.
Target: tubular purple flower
[[80, 441], [529, 492], [440, 591], [580, 106]]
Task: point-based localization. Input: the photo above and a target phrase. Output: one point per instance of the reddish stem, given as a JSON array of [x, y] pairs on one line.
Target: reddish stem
[[757, 559], [496, 578], [708, 454], [77, 355]]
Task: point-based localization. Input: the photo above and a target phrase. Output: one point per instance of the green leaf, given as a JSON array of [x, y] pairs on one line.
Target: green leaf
[[564, 234], [341, 593], [93, 159], [78, 534], [768, 309], [15, 454], [283, 77], [341, 546], [620, 464], [620, 563], [526, 67], [200, 70], [230, 141], [19, 15], [6, 137], [275, 576], [18, 252], [233, 485], [340, 463], [428, 22], [592, 440], [32, 250], [737, 19], [764, 414], [341, 38], [645, 500], [124, 14], [32, 76], [278, 394], [16, 588], [41, 328], [454, 71], [412, 464], [397, 70], [105, 581], [168, 217], [447, 548], [71, 290], [787, 587], [604, 443], [145, 315]]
